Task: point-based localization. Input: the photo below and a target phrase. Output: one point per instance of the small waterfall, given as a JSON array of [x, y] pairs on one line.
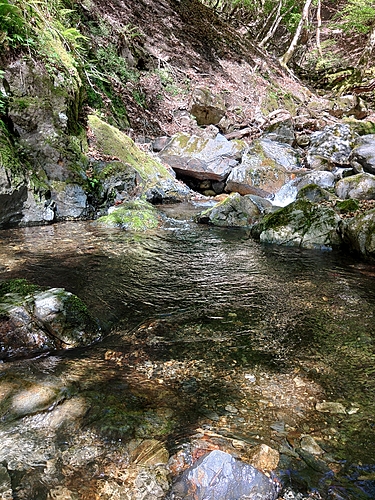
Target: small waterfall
[[287, 194]]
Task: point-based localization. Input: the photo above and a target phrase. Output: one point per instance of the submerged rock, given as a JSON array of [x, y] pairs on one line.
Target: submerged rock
[[34, 320], [218, 475]]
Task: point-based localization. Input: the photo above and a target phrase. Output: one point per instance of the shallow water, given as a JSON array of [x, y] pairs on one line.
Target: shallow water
[[209, 330]]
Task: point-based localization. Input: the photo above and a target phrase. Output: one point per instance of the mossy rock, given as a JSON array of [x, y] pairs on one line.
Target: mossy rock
[[303, 224], [314, 193], [112, 142], [361, 127], [136, 215], [346, 206]]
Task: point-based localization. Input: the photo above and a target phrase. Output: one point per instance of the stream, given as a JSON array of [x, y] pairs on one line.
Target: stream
[[208, 333]]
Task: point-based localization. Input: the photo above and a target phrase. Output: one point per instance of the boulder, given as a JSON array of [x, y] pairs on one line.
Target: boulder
[[322, 179], [34, 320], [358, 234], [207, 107], [348, 105], [329, 147], [234, 211], [202, 157], [360, 187], [364, 153], [135, 215], [301, 224], [218, 475], [281, 131], [264, 169], [124, 170]]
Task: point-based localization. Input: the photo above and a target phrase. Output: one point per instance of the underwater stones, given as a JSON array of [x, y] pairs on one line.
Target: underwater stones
[[219, 475], [330, 407], [35, 321], [309, 444], [360, 187], [65, 317], [202, 157], [263, 457], [302, 224]]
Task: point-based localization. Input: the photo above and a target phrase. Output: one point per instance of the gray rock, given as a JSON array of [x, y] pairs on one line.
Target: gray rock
[[282, 131], [218, 475], [206, 107], [234, 211], [264, 169], [322, 179], [300, 224], [358, 234], [360, 186], [364, 153], [332, 145], [202, 158]]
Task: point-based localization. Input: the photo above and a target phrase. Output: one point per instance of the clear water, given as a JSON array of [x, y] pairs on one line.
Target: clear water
[[207, 328]]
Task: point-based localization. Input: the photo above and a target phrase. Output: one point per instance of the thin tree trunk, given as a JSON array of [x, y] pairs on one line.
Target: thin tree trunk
[[289, 53], [367, 51], [271, 16], [318, 26]]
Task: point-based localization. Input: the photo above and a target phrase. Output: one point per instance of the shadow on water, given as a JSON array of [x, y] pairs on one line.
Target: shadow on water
[[208, 328]]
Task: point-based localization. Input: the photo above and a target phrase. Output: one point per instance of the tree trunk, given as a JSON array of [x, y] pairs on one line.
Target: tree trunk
[[289, 53], [318, 26]]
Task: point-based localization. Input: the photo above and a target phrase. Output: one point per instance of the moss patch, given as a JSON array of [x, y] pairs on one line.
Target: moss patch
[[135, 215], [20, 287], [112, 142]]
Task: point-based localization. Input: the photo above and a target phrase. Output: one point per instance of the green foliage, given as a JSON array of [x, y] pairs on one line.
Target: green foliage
[[109, 61], [19, 287], [12, 25], [357, 16]]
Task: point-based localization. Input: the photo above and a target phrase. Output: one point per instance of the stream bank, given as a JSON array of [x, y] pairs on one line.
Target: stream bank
[[217, 343]]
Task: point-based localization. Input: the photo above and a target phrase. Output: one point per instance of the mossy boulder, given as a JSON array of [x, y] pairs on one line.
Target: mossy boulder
[[136, 215], [33, 320], [303, 224], [358, 234], [347, 206], [360, 187], [125, 170], [202, 157], [364, 153], [314, 193], [264, 169], [234, 211]]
